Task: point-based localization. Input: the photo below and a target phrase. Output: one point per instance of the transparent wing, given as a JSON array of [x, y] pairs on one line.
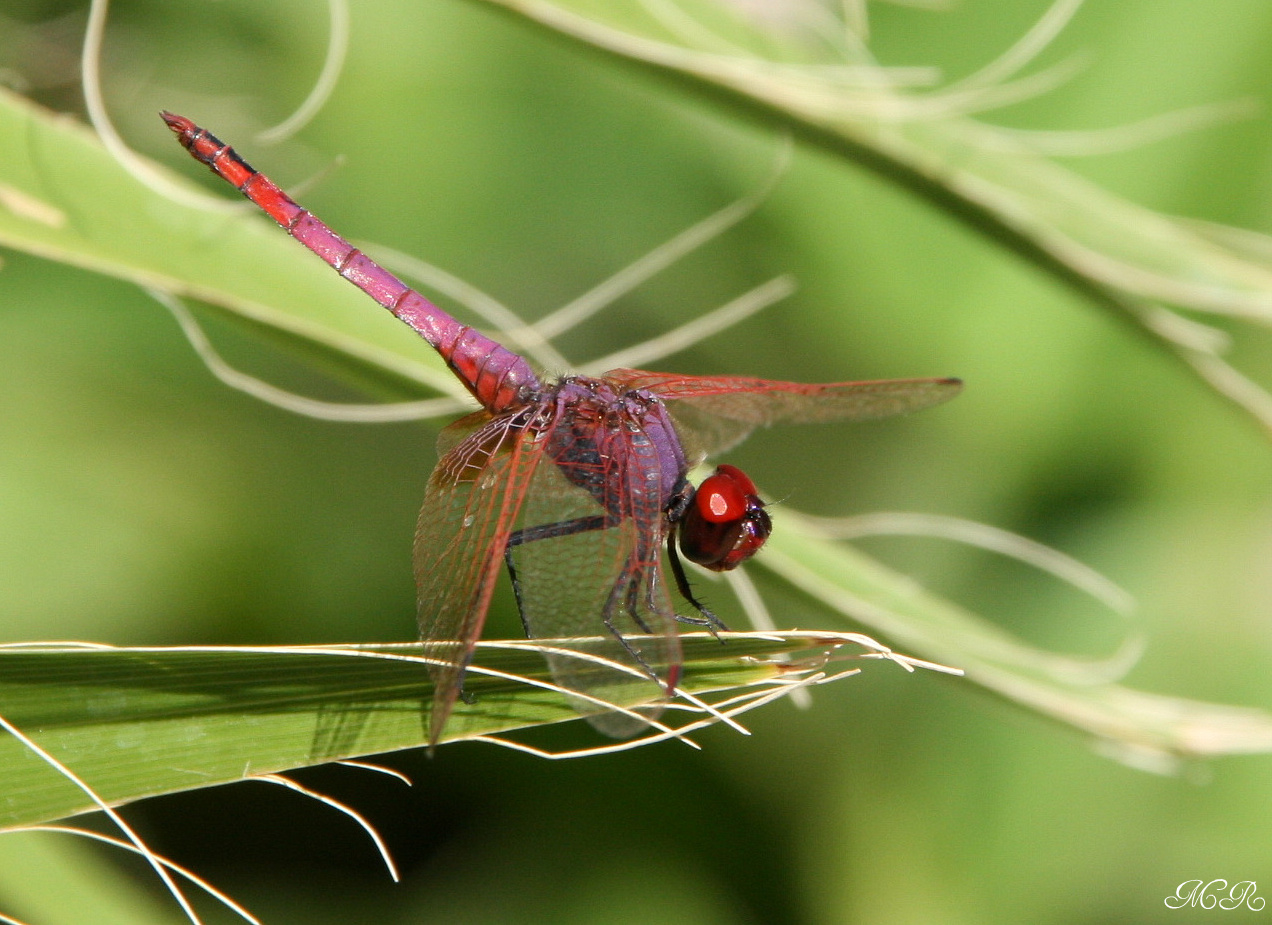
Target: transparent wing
[[713, 413], [596, 572], [470, 506]]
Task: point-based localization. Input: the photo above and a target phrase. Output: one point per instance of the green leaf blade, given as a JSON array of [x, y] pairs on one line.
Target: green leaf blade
[[138, 722]]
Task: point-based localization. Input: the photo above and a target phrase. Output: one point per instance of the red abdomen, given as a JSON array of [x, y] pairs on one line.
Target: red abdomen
[[497, 377]]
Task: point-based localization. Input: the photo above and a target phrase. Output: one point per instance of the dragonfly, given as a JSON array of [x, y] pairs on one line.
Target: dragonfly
[[577, 487]]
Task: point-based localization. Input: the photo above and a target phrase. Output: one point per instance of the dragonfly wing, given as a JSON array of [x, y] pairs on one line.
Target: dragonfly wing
[[714, 413], [470, 506], [606, 565]]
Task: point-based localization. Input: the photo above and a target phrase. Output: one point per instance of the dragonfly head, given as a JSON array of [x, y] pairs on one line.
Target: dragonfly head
[[725, 522]]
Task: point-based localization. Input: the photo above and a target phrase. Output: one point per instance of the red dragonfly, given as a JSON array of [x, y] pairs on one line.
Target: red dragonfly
[[576, 486]]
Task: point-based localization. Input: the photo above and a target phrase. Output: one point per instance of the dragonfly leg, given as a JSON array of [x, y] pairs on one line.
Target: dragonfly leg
[[631, 650], [610, 606], [633, 594], [706, 617], [680, 500], [545, 532]]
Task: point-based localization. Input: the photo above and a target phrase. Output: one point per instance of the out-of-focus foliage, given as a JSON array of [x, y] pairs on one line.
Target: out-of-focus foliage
[[142, 502]]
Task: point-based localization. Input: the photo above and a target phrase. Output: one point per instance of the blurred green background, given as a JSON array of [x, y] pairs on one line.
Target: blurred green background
[[142, 502]]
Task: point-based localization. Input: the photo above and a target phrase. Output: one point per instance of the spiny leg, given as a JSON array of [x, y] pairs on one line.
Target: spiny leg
[[681, 498], [630, 590], [545, 532], [707, 619]]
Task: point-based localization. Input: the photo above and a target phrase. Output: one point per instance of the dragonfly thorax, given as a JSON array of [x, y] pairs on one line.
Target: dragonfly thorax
[[616, 442]]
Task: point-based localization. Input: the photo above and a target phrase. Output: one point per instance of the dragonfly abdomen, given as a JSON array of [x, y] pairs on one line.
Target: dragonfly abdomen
[[497, 377]]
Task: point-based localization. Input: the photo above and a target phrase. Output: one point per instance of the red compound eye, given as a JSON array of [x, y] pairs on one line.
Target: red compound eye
[[726, 522], [723, 496]]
